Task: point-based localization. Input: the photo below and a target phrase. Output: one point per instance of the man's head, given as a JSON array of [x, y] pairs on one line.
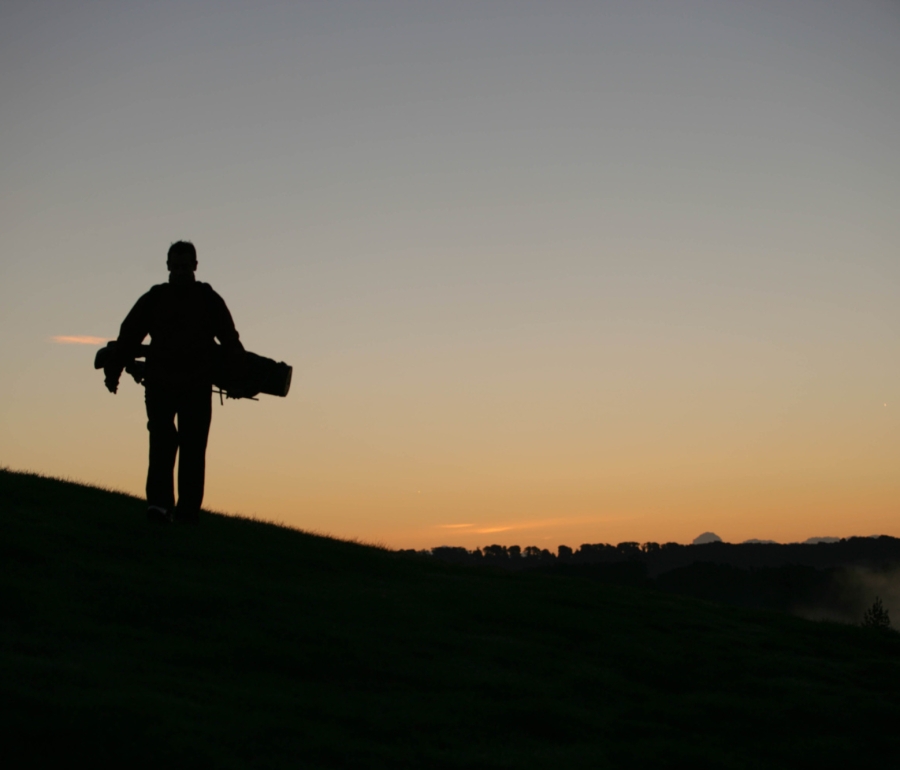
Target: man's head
[[182, 262]]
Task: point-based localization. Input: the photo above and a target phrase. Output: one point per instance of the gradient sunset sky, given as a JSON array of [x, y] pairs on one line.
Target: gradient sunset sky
[[547, 272]]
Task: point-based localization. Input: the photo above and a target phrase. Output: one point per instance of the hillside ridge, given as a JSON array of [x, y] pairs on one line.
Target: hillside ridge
[[237, 643]]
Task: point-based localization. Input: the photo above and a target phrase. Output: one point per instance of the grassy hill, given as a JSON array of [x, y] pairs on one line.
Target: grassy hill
[[241, 644]]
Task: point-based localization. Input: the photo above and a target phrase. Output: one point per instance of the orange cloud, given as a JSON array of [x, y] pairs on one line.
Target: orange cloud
[[79, 339], [542, 523]]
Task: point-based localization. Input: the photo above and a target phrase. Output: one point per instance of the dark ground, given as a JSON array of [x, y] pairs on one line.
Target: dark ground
[[241, 644]]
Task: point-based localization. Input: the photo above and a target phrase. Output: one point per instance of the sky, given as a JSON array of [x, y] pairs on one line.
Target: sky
[[547, 272]]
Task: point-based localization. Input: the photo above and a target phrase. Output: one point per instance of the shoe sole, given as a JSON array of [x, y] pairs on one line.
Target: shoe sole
[[158, 515]]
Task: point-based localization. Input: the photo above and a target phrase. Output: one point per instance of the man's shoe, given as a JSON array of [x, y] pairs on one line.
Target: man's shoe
[[159, 514], [187, 516]]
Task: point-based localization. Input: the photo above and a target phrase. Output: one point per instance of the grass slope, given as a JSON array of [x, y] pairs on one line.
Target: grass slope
[[240, 644]]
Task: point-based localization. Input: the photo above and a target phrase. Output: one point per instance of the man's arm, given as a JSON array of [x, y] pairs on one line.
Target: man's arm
[[134, 328], [234, 359], [224, 326]]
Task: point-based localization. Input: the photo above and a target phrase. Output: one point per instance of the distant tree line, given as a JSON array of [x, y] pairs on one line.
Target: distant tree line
[[872, 552], [819, 579]]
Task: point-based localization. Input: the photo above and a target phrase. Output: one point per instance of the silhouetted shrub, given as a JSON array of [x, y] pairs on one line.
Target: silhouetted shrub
[[877, 617]]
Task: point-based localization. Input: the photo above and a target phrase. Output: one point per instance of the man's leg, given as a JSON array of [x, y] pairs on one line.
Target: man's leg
[[163, 446], [194, 416]]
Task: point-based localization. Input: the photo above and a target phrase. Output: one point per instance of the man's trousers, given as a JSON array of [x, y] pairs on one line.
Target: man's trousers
[[193, 407]]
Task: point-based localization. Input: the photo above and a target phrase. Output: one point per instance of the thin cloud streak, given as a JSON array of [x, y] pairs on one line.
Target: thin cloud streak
[[539, 524], [78, 339]]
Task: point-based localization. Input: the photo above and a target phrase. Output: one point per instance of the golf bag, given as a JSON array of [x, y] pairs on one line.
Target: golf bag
[[253, 374]]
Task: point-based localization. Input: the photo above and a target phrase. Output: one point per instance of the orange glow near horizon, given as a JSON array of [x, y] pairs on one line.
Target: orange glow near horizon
[[416, 457]]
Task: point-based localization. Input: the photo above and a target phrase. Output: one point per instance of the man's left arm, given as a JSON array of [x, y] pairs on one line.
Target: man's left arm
[[223, 326]]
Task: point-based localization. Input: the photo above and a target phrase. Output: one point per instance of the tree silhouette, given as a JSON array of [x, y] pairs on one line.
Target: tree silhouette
[[877, 616]]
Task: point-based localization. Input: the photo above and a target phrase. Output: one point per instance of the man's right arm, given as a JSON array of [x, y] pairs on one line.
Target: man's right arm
[[134, 328]]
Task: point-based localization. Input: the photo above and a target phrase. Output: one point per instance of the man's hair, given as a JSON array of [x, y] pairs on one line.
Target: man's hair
[[182, 250]]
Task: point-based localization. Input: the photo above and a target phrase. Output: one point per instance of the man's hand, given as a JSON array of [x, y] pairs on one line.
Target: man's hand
[[112, 381]]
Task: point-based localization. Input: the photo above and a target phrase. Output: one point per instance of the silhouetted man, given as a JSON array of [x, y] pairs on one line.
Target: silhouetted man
[[183, 318]]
